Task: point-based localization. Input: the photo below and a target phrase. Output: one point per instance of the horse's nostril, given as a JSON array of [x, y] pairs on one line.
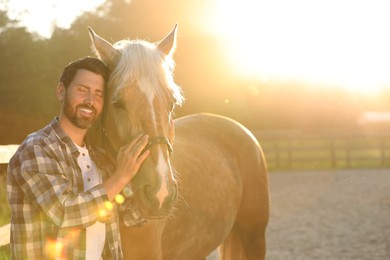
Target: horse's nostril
[[172, 196], [149, 197], [149, 194], [147, 191]]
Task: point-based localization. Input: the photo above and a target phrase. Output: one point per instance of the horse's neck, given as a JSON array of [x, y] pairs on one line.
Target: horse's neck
[[96, 136]]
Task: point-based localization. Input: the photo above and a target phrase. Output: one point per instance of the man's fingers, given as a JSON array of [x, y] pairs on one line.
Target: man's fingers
[[140, 145], [139, 140], [143, 156], [135, 140]]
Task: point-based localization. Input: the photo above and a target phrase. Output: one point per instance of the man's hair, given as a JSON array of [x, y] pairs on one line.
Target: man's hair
[[88, 63]]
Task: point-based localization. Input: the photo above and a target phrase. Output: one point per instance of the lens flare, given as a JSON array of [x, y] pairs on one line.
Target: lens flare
[[108, 205], [119, 199], [53, 249]]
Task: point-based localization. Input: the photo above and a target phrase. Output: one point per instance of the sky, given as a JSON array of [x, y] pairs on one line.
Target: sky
[[40, 15], [342, 43], [332, 42]]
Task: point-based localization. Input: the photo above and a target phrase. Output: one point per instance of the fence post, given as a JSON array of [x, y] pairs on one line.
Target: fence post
[[289, 151], [6, 152], [382, 146], [333, 152], [348, 152], [5, 235], [277, 156]]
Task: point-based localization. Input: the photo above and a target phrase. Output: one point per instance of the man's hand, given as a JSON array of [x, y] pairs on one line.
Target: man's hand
[[129, 160]]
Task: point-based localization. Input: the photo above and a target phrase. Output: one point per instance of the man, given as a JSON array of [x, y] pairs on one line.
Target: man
[[60, 189]]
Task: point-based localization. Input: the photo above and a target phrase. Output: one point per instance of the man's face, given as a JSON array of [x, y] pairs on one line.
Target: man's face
[[84, 99]]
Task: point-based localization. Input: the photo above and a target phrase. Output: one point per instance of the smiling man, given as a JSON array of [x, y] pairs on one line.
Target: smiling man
[[60, 189]]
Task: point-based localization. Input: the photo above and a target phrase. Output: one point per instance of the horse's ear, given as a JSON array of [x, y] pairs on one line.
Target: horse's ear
[[103, 49], [168, 44]]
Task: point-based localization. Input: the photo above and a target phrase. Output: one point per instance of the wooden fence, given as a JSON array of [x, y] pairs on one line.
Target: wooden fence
[[4, 235], [6, 152], [297, 150]]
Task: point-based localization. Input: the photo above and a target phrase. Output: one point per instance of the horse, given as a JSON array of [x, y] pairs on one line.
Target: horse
[[205, 183]]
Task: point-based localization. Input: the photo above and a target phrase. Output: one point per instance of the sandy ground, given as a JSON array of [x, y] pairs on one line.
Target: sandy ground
[[343, 214], [335, 215]]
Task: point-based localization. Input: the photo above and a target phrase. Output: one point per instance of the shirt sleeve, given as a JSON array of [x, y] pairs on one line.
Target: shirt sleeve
[[51, 183]]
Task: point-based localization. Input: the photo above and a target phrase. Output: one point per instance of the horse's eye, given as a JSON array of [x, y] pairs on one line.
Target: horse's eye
[[118, 105]]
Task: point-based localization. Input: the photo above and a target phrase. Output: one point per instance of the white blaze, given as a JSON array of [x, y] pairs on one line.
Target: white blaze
[[162, 167], [162, 170]]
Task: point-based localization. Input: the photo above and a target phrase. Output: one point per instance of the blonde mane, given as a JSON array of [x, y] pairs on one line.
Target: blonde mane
[[144, 64]]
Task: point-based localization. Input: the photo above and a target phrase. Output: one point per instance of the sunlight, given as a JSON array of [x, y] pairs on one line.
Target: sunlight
[[40, 15], [343, 43]]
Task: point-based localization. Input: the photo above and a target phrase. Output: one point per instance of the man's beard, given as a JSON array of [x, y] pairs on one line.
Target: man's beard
[[79, 121]]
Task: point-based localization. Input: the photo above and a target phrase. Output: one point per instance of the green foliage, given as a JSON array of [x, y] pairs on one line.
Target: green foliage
[[5, 212], [4, 252]]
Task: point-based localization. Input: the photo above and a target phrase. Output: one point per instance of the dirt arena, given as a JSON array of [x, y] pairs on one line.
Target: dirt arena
[[332, 215], [335, 215]]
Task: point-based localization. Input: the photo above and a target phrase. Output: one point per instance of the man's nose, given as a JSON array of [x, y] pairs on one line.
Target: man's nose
[[90, 99]]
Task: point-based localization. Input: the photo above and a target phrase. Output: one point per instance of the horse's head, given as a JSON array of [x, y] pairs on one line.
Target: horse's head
[[141, 95]]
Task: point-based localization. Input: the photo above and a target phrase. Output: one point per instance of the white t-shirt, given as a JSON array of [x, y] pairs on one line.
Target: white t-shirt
[[96, 234]]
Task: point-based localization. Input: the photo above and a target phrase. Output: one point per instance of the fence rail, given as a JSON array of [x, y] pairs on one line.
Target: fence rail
[[6, 152], [4, 235], [294, 150]]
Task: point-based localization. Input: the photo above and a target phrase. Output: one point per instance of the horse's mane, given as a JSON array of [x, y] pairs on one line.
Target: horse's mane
[[143, 64]]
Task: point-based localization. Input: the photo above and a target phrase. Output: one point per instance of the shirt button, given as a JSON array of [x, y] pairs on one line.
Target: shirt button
[[89, 180], [83, 154], [88, 166]]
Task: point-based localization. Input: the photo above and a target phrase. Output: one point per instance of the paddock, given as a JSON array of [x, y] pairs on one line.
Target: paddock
[[335, 214]]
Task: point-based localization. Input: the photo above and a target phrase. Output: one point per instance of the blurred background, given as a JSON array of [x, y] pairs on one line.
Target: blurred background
[[309, 78]]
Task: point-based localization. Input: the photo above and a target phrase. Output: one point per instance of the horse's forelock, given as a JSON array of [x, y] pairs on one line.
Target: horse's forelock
[[141, 62]]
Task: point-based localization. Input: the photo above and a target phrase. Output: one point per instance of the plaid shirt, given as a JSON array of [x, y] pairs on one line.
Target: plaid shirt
[[50, 210]]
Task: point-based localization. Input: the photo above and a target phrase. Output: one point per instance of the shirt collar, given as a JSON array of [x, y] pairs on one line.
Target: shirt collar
[[62, 136]]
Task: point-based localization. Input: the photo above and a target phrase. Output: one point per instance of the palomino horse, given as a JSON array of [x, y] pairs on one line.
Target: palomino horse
[[205, 183]]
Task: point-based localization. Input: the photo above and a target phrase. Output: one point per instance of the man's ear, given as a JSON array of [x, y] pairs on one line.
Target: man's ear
[[60, 91]]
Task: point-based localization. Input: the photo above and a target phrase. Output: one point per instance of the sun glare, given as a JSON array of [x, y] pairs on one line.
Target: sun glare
[[41, 15], [326, 42], [333, 42]]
